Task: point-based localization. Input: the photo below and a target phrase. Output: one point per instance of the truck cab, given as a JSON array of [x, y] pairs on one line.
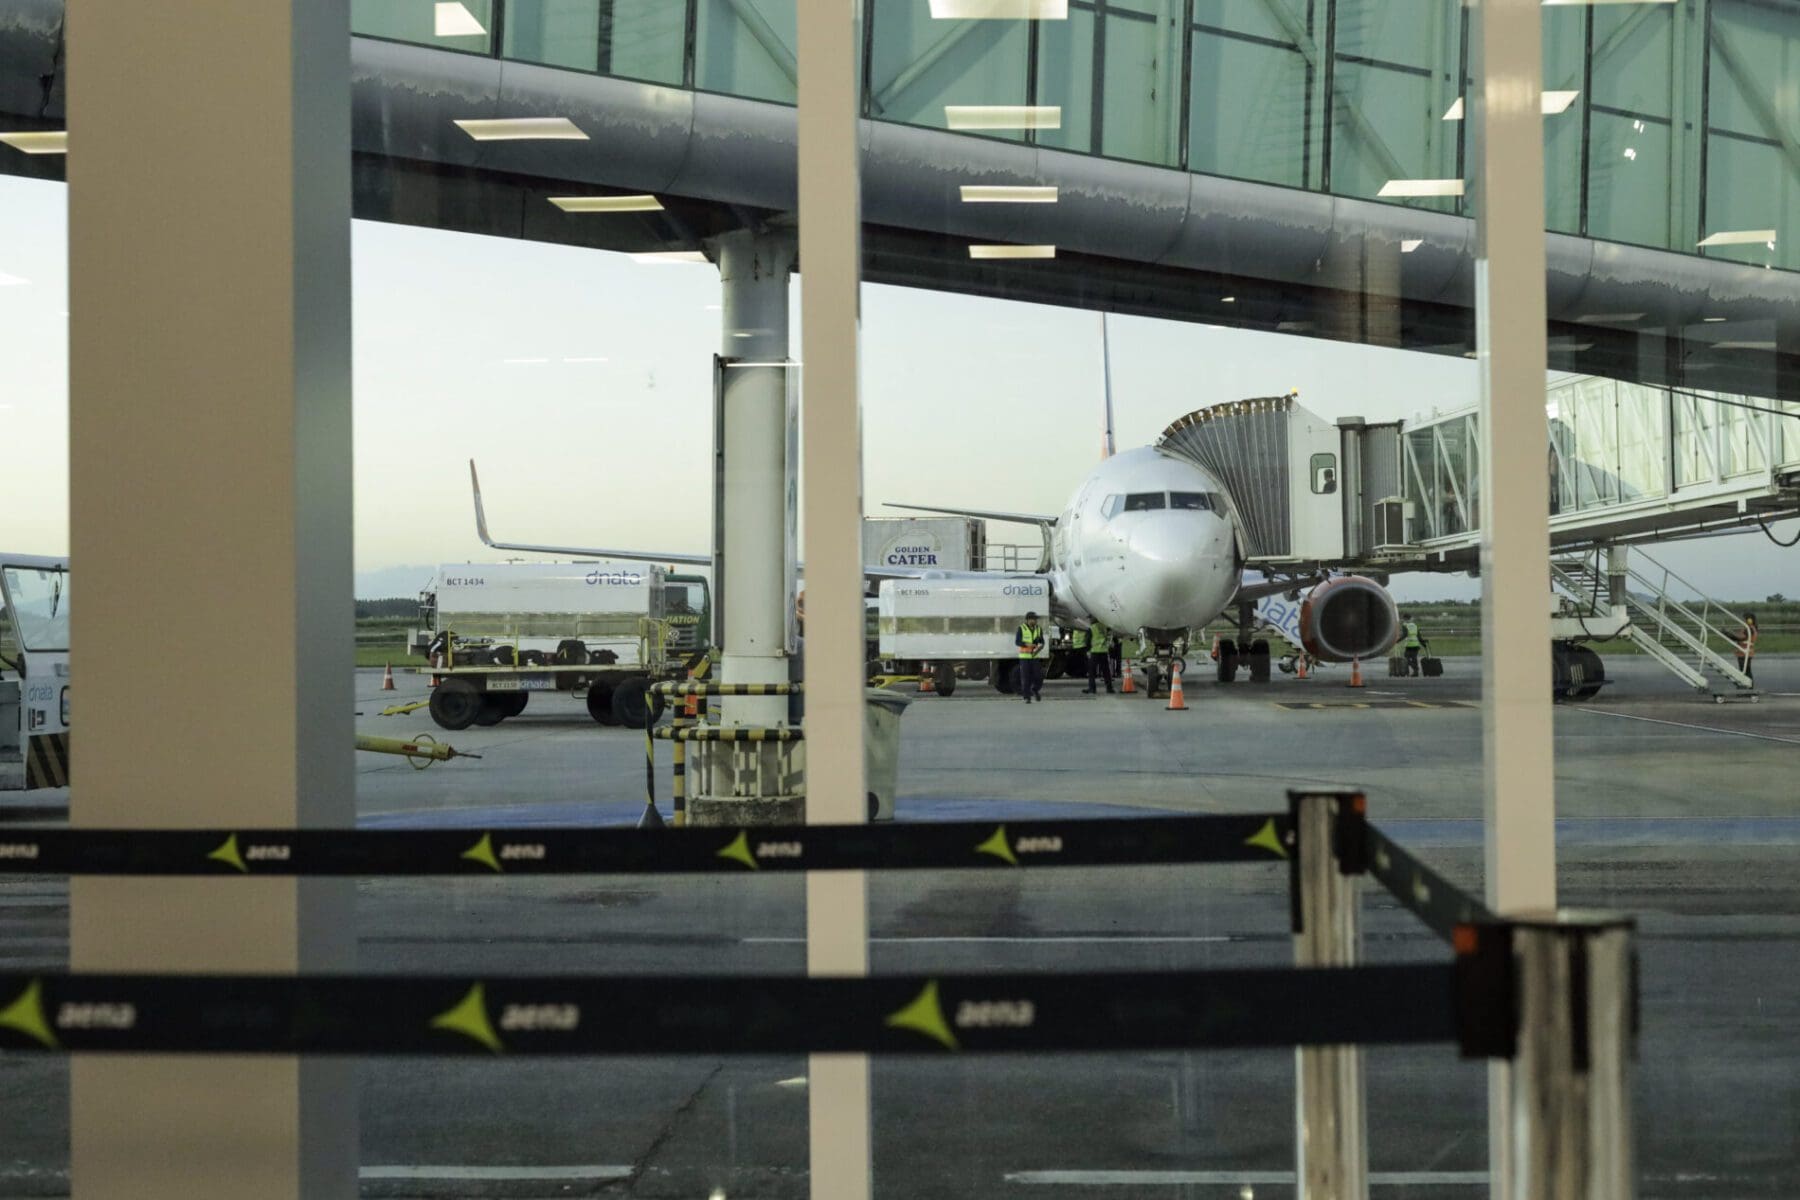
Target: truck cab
[[34, 672]]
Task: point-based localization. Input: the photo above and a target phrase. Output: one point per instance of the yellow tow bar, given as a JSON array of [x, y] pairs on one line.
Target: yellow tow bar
[[400, 710], [419, 752]]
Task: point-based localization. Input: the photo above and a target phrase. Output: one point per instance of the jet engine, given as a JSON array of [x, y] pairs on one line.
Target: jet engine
[[1348, 617]]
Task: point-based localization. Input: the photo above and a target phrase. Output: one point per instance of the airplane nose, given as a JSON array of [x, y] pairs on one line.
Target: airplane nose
[[1176, 558]]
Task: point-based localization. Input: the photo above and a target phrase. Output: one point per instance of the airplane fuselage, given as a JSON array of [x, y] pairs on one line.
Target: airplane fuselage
[[1146, 544]]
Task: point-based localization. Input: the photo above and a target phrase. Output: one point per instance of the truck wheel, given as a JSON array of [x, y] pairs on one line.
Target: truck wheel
[[513, 703], [455, 704], [492, 711], [1004, 675], [943, 677], [1058, 666], [1591, 670], [633, 705], [599, 702]]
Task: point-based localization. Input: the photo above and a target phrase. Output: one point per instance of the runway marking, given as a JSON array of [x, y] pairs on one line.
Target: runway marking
[[1302, 705], [597, 1174], [1761, 737], [1071, 940], [1153, 1178]]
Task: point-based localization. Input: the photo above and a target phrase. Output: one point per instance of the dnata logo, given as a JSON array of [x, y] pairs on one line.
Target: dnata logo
[[464, 581], [913, 556], [1022, 589], [71, 1015], [40, 693], [614, 578]]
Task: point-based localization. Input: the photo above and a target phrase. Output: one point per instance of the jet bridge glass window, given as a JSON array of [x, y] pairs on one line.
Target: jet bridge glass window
[[1194, 501], [1324, 474], [1145, 501]]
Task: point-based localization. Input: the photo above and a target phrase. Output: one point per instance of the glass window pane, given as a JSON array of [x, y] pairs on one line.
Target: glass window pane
[[1632, 48], [1066, 78], [746, 48], [918, 64], [1142, 89], [1564, 55], [420, 21], [1388, 124], [1145, 501], [1250, 113], [558, 33], [1629, 180], [637, 39], [647, 40]]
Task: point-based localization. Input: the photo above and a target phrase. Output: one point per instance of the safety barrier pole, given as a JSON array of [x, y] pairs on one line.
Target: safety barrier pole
[[1331, 1135], [1570, 1111]]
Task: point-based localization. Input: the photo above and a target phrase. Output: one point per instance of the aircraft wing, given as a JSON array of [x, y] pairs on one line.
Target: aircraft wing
[[481, 529], [979, 513], [1251, 589]]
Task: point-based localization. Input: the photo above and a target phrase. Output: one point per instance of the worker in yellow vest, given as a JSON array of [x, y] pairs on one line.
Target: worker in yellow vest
[[1030, 640], [1100, 656], [1078, 652]]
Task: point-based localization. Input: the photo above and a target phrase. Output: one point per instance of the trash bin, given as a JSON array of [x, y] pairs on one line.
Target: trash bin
[[881, 750]]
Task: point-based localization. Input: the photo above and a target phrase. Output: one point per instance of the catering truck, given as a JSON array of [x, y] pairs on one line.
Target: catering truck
[[963, 625], [496, 632], [34, 672], [925, 543]]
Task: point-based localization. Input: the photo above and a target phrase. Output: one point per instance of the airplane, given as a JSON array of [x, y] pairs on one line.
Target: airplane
[[1149, 544]]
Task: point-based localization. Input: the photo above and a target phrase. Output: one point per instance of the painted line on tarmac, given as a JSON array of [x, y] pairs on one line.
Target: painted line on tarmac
[[1070, 940], [1227, 1178], [447, 1174], [1761, 737]]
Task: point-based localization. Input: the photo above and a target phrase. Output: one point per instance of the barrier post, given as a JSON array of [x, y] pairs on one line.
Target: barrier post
[[1331, 1135], [1570, 1110]]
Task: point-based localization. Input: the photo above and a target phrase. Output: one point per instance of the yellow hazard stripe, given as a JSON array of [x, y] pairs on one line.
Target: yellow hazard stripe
[[47, 761]]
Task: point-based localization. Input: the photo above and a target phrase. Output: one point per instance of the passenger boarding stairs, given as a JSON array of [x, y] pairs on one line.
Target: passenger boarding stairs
[[1695, 639]]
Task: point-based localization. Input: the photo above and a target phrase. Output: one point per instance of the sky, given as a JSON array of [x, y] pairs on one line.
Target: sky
[[580, 382]]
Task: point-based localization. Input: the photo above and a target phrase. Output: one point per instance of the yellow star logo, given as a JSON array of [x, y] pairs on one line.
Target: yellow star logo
[[925, 1015], [469, 1018], [996, 846], [483, 853], [26, 1014], [739, 850], [1268, 839], [228, 854]]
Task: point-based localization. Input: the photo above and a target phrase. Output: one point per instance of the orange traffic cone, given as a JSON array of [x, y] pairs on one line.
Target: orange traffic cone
[[1127, 687], [926, 687], [387, 679], [1356, 673], [1215, 648], [1177, 701], [1300, 667], [692, 709]]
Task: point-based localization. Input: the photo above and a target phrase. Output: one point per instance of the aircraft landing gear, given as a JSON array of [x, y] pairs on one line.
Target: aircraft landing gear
[[1228, 660], [1576, 672]]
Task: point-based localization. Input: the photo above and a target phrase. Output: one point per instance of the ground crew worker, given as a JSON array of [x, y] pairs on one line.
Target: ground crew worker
[[1030, 640], [1746, 644], [1412, 642], [1100, 656], [1078, 652]]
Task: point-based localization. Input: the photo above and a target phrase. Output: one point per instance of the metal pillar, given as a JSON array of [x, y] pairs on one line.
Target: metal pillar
[[210, 503], [1570, 1114], [837, 904], [1331, 1135], [757, 485]]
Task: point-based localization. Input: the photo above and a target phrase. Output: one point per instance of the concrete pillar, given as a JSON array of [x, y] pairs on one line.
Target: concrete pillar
[[759, 484], [210, 503]]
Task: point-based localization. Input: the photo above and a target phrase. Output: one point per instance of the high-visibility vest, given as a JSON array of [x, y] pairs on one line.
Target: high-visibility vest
[[1412, 635], [1030, 641], [1099, 639], [1078, 640]]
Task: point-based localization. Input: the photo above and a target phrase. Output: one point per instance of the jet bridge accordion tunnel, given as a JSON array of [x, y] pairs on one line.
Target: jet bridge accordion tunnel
[[1555, 996]]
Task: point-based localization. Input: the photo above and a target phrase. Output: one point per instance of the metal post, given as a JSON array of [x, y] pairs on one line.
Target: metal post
[[1331, 1135], [1571, 1080]]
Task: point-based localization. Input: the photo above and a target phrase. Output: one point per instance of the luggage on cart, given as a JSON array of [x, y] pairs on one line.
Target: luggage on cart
[[1432, 667]]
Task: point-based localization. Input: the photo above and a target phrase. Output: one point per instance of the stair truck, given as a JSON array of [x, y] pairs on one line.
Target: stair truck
[[962, 626], [497, 632], [34, 672]]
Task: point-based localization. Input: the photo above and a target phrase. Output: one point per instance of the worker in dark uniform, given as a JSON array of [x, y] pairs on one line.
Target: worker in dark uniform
[[1099, 656], [1746, 646], [1078, 652], [1412, 642], [1030, 640]]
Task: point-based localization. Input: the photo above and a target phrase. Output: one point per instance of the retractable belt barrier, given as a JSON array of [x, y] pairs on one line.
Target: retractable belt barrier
[[557, 1015], [1008, 845]]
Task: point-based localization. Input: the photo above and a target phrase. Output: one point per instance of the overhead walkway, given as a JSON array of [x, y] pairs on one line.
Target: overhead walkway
[[1173, 200]]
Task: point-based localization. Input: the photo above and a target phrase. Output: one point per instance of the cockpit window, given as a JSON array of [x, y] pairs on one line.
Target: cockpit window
[[1201, 501], [1145, 501], [1111, 506]]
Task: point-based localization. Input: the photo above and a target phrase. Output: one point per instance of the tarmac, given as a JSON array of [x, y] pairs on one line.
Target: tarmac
[[1680, 810]]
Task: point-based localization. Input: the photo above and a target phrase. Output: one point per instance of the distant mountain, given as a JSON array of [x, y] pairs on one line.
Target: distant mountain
[[386, 582]]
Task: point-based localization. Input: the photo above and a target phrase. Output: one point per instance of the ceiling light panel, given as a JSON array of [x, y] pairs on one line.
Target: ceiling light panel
[[1421, 187], [1738, 237], [522, 129], [981, 193], [607, 204], [453, 20], [1408, 245], [670, 256], [51, 141], [1003, 116], [1550, 104], [1000, 10], [1012, 251]]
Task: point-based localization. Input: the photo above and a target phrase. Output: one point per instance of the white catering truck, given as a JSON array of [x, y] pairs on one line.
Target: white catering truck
[[496, 632], [34, 672], [933, 543], [941, 625]]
